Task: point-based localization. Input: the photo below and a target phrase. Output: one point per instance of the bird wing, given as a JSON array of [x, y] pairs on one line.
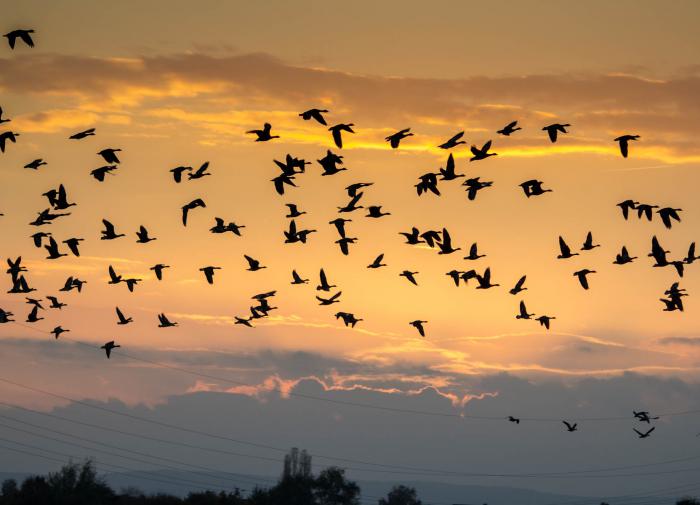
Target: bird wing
[[565, 251], [552, 133], [27, 38], [337, 138], [623, 147]]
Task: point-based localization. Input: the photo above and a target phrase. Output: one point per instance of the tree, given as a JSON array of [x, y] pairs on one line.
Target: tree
[[687, 500], [331, 488], [297, 464], [401, 495]]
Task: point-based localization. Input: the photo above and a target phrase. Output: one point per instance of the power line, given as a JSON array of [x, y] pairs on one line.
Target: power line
[[396, 469], [359, 404]]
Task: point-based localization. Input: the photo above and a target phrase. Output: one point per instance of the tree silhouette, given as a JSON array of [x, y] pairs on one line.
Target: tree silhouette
[[401, 495], [333, 489]]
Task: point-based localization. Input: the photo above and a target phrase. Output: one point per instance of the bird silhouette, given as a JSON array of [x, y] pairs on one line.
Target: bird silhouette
[[264, 134], [323, 282], [110, 155], [583, 276], [296, 279], [474, 185], [352, 206], [34, 165], [121, 319], [58, 198], [352, 189], [344, 243], [83, 134], [522, 313], [55, 303], [5, 136], [514, 419], [445, 243], [624, 141], [690, 257], [375, 211], [410, 276], [221, 227], [33, 317], [485, 280], [571, 427], [412, 237], [158, 270], [377, 263], [244, 321], [101, 172], [113, 277], [448, 173], [209, 273], [108, 347], [281, 180], [316, 114], [38, 236], [533, 187], [3, 120], [554, 129], [339, 224], [427, 182], [623, 257], [588, 243], [20, 285], [645, 434], [22, 34], [395, 138], [109, 232], [348, 318], [253, 264], [58, 331], [142, 235], [418, 325], [178, 171], [545, 320], [481, 153], [200, 172], [518, 286], [644, 416], [52, 248], [509, 129], [329, 301], [15, 267], [644, 209], [454, 141], [565, 251], [73, 283], [196, 203], [667, 214], [626, 206], [330, 163], [293, 211], [336, 131], [474, 253], [164, 322]]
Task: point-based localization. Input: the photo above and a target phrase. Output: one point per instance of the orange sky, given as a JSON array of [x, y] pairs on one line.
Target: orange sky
[[184, 89]]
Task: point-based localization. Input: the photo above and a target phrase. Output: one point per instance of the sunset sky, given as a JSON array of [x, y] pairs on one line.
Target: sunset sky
[[174, 83]]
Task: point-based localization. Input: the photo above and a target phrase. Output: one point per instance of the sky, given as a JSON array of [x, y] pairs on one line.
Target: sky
[[170, 85]]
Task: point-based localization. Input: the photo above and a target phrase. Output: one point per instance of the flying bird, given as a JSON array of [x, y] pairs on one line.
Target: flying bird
[[418, 325], [24, 35], [545, 320], [481, 153], [316, 114], [474, 253], [329, 301], [5, 136], [142, 235], [377, 263], [553, 129], [453, 141], [101, 172], [588, 243], [448, 173], [582, 277], [209, 273], [109, 232], [110, 155], [253, 264], [296, 278], [323, 282], [624, 141], [121, 319], [164, 322], [509, 128], [264, 134], [565, 250], [518, 286], [626, 206], [108, 347], [34, 165], [667, 214], [83, 134], [533, 187], [410, 276], [623, 257], [200, 172], [178, 171], [196, 203], [522, 313], [395, 138], [645, 434], [337, 130], [158, 270], [571, 427]]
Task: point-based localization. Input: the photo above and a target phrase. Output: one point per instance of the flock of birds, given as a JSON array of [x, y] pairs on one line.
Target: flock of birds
[[331, 163]]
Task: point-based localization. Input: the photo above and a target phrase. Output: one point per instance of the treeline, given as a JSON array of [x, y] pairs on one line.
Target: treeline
[[79, 484]]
